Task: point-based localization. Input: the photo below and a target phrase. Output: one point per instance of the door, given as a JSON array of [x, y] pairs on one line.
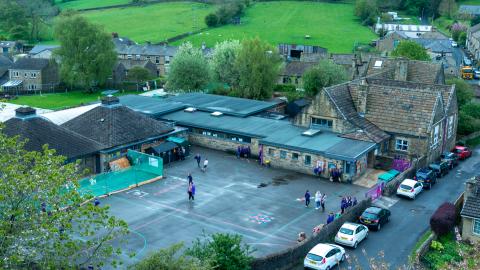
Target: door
[[338, 256], [418, 188], [331, 258]]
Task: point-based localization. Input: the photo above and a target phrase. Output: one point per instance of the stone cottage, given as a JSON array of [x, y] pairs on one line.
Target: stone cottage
[[471, 210]]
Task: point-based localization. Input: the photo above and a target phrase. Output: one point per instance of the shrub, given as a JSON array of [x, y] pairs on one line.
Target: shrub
[[211, 20], [285, 88], [444, 218]]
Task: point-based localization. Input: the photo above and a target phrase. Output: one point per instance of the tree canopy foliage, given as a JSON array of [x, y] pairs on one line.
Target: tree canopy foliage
[[411, 50], [139, 75], [367, 11], [189, 70], [325, 74], [42, 224], [87, 52], [223, 61], [170, 259]]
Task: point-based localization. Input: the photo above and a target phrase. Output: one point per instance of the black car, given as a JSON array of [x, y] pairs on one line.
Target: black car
[[441, 168], [375, 217], [426, 176], [450, 158]]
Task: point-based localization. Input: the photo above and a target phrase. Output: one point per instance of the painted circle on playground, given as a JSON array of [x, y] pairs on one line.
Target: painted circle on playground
[[260, 219]]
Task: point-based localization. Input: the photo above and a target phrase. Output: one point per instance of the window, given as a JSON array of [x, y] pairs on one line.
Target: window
[[148, 57], [450, 125], [286, 80], [271, 151], [401, 145], [435, 135], [322, 123], [25, 75], [137, 56], [294, 156], [129, 56], [33, 75], [167, 59], [157, 60], [308, 160], [283, 154], [476, 226]]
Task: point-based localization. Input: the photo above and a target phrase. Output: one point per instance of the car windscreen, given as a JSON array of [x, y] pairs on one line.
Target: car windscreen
[[422, 177], [368, 215], [314, 257], [405, 187], [346, 231]]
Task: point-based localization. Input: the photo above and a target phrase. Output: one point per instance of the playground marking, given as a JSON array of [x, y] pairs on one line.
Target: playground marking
[[137, 193]]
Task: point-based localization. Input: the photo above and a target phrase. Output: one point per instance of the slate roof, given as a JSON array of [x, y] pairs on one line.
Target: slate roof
[[471, 208], [296, 68], [343, 59], [40, 48], [130, 63], [5, 64], [341, 97], [474, 28], [116, 125], [40, 131], [146, 49], [30, 64], [469, 9], [435, 45]]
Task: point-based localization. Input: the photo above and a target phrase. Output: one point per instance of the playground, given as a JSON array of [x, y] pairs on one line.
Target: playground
[[227, 200]]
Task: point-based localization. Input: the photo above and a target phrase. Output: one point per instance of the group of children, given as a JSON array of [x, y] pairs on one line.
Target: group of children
[[320, 200], [347, 202]]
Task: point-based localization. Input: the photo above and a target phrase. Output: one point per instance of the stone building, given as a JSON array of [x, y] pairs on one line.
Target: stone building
[[293, 72], [306, 53], [120, 71], [471, 210], [32, 74], [473, 41]]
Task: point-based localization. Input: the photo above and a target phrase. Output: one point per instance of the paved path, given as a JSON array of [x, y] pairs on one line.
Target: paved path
[[410, 219]]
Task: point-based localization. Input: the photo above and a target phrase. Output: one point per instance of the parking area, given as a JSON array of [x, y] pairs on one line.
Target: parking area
[[227, 200]]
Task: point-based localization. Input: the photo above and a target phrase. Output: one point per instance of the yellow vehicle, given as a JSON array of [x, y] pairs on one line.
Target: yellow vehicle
[[466, 73]]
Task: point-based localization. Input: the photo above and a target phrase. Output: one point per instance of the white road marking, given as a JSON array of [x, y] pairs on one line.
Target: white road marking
[[385, 202]]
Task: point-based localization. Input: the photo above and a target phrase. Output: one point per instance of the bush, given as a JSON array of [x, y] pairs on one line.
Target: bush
[[443, 220], [211, 20], [284, 88]]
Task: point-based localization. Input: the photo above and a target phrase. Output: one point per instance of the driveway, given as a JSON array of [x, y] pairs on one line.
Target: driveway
[[410, 219], [227, 200]]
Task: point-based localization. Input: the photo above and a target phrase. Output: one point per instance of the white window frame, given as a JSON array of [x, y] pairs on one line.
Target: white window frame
[[402, 143], [157, 60], [476, 222], [33, 75], [283, 154], [451, 120], [129, 56], [435, 135]]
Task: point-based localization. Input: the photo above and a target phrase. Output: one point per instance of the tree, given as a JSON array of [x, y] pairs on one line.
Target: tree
[[139, 75], [475, 20], [258, 66], [464, 91], [325, 74], [447, 8], [169, 259], [87, 52], [211, 20], [222, 251], [189, 70], [13, 19], [223, 60], [443, 219], [411, 50], [367, 11], [43, 225]]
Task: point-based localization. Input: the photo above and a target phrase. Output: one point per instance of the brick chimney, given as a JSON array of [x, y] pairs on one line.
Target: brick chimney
[[24, 112], [401, 70], [110, 101]]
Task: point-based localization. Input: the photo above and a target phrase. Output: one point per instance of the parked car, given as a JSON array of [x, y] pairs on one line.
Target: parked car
[[375, 217], [454, 44], [450, 158], [426, 176], [476, 74], [350, 234], [409, 188], [462, 152], [441, 168], [324, 257]]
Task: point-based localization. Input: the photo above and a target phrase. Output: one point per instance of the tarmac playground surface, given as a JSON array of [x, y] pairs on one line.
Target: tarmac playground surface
[[227, 200]]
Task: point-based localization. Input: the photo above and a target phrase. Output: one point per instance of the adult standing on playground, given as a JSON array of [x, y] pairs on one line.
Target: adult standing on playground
[[198, 158], [307, 198], [318, 198], [205, 164]]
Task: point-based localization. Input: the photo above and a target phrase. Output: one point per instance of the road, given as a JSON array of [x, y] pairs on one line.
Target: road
[[410, 219]]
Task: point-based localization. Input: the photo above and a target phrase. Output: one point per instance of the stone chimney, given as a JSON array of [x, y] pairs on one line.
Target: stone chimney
[[401, 70], [110, 100], [472, 186], [24, 112], [362, 94]]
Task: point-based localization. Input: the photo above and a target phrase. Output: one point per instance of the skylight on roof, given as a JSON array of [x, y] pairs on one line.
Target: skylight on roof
[[216, 114], [190, 109], [378, 64]]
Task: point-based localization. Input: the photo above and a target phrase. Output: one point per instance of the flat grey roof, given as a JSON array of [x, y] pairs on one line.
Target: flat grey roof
[[151, 106], [279, 133]]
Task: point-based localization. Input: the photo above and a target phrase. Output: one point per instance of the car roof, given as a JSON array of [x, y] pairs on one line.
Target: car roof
[[460, 147], [424, 170], [373, 210], [351, 225], [321, 249], [409, 182], [448, 153]]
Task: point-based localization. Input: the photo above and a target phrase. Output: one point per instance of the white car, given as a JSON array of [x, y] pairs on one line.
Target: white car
[[324, 257], [350, 234], [454, 44], [409, 188]]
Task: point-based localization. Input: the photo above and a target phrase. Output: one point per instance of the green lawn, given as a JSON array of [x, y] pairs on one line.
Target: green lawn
[[59, 101], [330, 25], [81, 4], [155, 22]]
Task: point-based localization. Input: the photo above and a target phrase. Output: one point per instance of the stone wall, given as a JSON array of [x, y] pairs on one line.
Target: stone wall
[[293, 256], [222, 144]]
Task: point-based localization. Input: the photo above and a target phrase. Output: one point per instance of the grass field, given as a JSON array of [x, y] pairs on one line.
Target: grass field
[[155, 22], [81, 4], [59, 101], [329, 25]]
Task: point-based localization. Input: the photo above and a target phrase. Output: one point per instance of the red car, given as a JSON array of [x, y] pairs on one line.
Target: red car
[[462, 152]]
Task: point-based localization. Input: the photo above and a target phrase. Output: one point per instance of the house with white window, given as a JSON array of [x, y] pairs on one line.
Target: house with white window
[[28, 75], [402, 106], [471, 210]]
